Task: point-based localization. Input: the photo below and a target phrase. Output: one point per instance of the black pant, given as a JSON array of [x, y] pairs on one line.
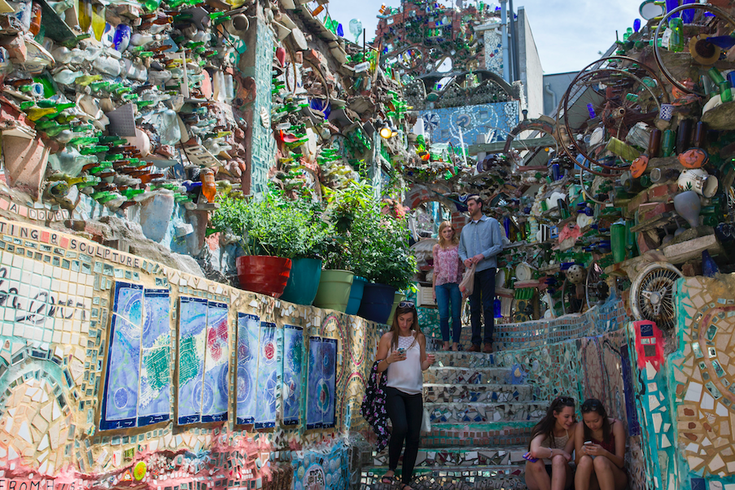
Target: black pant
[[405, 412], [483, 290]]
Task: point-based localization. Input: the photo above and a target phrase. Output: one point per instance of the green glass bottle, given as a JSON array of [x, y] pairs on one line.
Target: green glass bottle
[[668, 142]]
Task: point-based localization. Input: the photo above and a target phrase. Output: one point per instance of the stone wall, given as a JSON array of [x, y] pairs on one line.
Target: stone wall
[[108, 363]]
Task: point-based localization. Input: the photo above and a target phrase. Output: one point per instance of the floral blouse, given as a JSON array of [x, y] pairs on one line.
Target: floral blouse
[[447, 265]]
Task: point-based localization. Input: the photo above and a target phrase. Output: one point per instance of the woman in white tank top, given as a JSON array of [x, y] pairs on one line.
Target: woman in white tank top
[[403, 354]]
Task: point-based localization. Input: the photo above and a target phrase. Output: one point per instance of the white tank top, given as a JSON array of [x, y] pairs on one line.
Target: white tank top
[[406, 375]]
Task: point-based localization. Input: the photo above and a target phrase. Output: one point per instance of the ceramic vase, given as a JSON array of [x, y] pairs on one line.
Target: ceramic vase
[[688, 205]]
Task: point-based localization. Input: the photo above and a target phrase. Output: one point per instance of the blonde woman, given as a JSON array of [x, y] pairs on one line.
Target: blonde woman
[[445, 282]]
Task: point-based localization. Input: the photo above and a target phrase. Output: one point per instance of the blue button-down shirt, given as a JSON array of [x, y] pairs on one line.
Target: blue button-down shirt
[[483, 236]]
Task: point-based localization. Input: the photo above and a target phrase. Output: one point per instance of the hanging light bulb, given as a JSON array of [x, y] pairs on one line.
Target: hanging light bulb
[[386, 132]]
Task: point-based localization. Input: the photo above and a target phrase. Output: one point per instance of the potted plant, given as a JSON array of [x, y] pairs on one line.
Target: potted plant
[[389, 265], [310, 248], [269, 229], [339, 288]]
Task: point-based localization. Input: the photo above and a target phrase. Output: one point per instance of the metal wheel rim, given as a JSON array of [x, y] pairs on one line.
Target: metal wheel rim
[[657, 55], [581, 78], [564, 103], [652, 295]]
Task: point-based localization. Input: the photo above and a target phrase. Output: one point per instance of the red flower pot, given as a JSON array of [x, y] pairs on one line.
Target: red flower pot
[[263, 274]]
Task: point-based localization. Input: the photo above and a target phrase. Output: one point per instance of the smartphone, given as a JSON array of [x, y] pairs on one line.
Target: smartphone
[[588, 443], [401, 351], [529, 458]]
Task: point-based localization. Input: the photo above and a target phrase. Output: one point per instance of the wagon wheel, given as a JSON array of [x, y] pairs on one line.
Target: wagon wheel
[[620, 93], [697, 29], [572, 297], [652, 294], [596, 289]]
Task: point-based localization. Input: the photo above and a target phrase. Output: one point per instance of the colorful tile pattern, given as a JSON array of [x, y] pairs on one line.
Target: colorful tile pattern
[[73, 311]]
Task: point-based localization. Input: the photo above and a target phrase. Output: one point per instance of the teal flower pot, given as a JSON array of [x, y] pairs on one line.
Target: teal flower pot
[[303, 282], [358, 286]]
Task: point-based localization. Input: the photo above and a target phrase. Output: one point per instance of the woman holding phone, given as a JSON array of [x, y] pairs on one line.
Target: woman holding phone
[[404, 357], [599, 445]]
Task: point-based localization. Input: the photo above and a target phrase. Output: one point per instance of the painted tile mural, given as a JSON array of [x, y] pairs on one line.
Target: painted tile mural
[[321, 386], [268, 377], [110, 364], [138, 381], [293, 354], [120, 404], [192, 337], [248, 327], [216, 386], [494, 120]]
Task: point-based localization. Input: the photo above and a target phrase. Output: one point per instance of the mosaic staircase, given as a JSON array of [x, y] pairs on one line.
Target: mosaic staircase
[[481, 423]]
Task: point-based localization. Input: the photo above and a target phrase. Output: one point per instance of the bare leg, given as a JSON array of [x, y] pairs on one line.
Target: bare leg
[[559, 467], [536, 476], [584, 478], [609, 476]]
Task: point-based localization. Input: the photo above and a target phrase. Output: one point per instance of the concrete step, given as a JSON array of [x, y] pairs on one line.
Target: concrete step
[[464, 359], [503, 477], [463, 456], [486, 412], [491, 434], [488, 393], [467, 375]]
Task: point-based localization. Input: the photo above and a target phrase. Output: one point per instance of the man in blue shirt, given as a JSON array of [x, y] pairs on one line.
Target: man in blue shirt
[[480, 242]]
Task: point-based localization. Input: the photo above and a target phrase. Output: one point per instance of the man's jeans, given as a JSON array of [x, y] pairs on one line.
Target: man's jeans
[[483, 293]]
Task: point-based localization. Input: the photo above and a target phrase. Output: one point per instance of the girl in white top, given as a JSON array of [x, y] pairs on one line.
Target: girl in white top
[[550, 450], [403, 354]]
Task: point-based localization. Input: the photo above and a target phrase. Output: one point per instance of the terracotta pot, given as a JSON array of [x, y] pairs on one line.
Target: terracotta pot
[[263, 274]]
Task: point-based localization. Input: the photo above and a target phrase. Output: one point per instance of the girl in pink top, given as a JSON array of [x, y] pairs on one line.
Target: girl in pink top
[[446, 279]]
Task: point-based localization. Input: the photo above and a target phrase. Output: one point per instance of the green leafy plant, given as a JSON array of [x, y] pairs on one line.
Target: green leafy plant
[[368, 242], [274, 225]]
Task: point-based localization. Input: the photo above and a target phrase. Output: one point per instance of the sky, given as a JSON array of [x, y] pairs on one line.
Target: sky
[[569, 34]]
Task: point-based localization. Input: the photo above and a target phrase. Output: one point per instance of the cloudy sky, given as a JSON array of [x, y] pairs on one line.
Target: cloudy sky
[[569, 34]]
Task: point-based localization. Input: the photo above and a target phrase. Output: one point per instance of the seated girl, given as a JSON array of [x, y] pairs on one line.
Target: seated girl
[[550, 450], [599, 445]]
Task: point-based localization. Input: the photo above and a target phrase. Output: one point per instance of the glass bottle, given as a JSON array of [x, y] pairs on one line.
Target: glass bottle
[[725, 91], [676, 41], [98, 21], [700, 135], [36, 13], [683, 134], [654, 143], [85, 14], [209, 188], [667, 143]]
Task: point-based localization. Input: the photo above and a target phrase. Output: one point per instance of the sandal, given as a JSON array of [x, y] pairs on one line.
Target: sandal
[[388, 480], [404, 486]]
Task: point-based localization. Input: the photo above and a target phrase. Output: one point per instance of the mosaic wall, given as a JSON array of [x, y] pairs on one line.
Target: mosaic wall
[[494, 51], [691, 400], [588, 367], [263, 143], [117, 371], [493, 120]]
